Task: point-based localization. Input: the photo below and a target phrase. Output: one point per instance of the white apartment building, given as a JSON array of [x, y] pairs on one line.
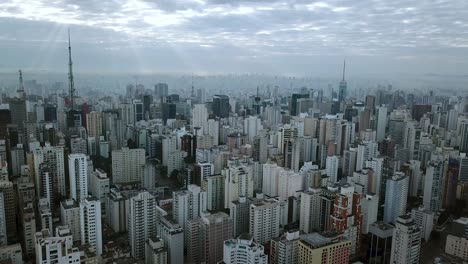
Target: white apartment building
[[78, 173], [406, 241], [141, 222], [243, 250], [188, 204], [264, 221], [128, 165], [90, 221], [309, 217], [70, 216]]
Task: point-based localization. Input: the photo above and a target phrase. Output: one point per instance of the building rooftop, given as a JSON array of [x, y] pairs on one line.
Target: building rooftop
[[316, 240]]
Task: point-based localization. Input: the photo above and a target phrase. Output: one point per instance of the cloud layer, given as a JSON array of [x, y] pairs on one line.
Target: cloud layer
[[290, 37]]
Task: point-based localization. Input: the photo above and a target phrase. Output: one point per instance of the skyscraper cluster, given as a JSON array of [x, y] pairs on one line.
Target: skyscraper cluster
[[278, 176]]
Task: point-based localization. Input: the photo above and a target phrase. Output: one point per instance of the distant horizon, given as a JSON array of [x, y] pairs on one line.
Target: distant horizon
[[217, 74]]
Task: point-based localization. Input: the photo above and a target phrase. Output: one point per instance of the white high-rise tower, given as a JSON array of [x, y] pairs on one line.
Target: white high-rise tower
[[78, 172], [406, 241], [90, 220], [141, 222]]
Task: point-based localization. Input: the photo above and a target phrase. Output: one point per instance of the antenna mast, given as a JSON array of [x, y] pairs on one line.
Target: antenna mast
[[344, 69], [20, 90], [70, 75], [193, 88]]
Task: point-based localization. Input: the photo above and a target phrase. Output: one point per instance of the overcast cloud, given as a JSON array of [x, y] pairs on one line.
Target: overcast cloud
[[377, 37]]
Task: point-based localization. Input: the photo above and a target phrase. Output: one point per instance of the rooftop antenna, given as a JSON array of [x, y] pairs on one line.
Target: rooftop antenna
[[70, 75], [193, 88], [21, 84], [344, 69]]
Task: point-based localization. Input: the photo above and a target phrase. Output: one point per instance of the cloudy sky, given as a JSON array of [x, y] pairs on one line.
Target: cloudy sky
[[376, 37]]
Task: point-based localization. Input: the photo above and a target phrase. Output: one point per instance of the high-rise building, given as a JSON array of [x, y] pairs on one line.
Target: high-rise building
[[370, 102], [291, 154], [169, 110], [201, 171], [99, 186], [284, 249], [342, 93], [347, 216], [238, 182], [138, 110], [381, 237], [128, 165], [9, 206], [221, 107], [155, 251], [370, 207], [331, 167], [200, 116], [141, 222], [463, 170], [265, 219], [349, 161], [127, 114], [173, 237], [45, 215], [310, 210], [5, 119], [28, 231], [419, 110], [433, 186], [94, 124], [252, 125], [213, 185], [381, 123], [115, 210], [90, 221], [3, 229], [406, 242], [147, 101], [463, 135], [78, 172], [297, 100], [315, 248], [205, 237], [161, 90], [56, 249], [424, 219], [412, 139], [396, 195], [18, 112], [457, 246], [239, 212], [270, 179], [53, 157], [17, 158], [362, 181], [70, 216], [365, 151], [78, 145], [289, 183], [12, 254], [243, 250], [188, 204], [47, 187]]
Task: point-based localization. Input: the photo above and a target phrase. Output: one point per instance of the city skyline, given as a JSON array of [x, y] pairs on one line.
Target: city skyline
[[233, 132]]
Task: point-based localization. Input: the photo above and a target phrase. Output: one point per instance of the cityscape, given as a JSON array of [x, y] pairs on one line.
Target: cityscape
[[158, 167]]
